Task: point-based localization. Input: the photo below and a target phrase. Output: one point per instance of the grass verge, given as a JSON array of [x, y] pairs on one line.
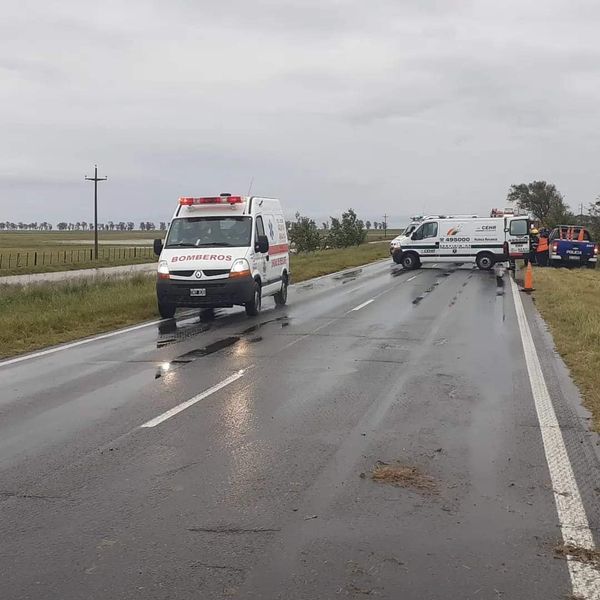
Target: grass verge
[[569, 301], [38, 316], [322, 262]]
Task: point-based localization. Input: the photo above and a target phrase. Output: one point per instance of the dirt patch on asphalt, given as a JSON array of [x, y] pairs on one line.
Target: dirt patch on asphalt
[[402, 476], [584, 555]]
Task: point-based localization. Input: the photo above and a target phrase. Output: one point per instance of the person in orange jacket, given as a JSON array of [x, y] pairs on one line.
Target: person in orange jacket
[[543, 246]]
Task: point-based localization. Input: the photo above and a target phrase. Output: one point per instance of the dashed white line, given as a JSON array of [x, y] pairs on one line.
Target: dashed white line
[[575, 527], [361, 306], [411, 278], [180, 407]]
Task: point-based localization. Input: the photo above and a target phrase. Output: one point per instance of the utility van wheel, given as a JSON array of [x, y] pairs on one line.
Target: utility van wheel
[[485, 261], [281, 295], [253, 307], [410, 261], [166, 310]]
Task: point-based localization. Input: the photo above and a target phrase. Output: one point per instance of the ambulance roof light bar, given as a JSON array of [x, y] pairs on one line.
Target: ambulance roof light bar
[[222, 199]]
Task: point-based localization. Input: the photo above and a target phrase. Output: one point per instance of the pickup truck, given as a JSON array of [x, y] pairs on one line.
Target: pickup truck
[[572, 245]]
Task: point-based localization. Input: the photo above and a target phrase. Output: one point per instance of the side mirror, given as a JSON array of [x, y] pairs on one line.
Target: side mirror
[[262, 244], [158, 247]]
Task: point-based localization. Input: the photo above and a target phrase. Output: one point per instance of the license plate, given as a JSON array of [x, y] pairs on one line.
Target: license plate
[[578, 257], [198, 292]]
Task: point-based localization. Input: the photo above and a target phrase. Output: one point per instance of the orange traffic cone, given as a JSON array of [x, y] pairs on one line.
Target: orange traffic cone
[[528, 287]]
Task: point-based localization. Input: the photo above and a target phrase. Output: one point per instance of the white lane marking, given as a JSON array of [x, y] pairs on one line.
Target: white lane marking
[[103, 336], [569, 506], [360, 306], [434, 265], [180, 407], [411, 278]]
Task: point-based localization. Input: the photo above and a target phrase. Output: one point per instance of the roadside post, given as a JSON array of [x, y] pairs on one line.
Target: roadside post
[[96, 179]]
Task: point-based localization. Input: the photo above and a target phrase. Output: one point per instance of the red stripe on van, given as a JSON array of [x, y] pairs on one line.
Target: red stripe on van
[[279, 249]]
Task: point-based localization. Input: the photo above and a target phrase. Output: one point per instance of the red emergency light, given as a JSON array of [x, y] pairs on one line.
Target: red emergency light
[[187, 201]]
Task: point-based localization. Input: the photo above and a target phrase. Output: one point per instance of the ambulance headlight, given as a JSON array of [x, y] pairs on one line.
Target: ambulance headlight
[[163, 270], [240, 268]]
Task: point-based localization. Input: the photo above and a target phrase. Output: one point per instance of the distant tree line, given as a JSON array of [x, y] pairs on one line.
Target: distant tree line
[[81, 226], [346, 231]]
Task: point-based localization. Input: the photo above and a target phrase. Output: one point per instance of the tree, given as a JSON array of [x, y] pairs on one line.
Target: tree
[[142, 225], [349, 231], [325, 225], [130, 226], [593, 218], [542, 200], [368, 225], [376, 225], [163, 226], [304, 234]]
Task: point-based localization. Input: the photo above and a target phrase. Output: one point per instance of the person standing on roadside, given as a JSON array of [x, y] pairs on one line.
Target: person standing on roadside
[[543, 246]]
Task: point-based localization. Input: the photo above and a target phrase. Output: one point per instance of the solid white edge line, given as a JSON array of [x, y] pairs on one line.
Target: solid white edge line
[[181, 407], [102, 336], [360, 306], [585, 579]]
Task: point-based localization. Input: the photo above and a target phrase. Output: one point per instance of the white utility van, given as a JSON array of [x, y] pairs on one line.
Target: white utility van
[[223, 251], [457, 240], [416, 221]]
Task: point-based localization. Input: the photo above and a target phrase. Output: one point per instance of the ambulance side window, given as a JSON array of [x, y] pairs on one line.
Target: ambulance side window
[[260, 228], [427, 230]]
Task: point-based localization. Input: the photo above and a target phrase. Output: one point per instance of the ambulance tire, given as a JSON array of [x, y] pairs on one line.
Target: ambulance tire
[[410, 261], [253, 307], [591, 265], [166, 310], [282, 294], [485, 261]]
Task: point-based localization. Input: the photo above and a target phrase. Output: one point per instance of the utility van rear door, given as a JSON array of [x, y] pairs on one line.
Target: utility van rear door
[[517, 236]]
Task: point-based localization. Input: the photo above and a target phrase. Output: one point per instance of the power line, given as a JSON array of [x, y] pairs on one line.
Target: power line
[[96, 179]]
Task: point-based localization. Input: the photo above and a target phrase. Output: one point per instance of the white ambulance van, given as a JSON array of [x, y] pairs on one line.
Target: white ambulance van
[[456, 240], [223, 251]]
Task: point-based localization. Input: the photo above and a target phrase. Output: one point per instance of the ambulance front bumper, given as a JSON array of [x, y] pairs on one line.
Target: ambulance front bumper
[[220, 293]]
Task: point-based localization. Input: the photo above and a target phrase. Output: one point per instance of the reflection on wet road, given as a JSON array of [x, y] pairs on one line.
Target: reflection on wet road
[[375, 437]]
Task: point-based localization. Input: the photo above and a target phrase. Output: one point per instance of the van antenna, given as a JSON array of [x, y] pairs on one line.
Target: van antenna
[[250, 186]]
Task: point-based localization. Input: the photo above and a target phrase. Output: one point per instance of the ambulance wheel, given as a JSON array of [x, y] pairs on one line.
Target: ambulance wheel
[[410, 261], [591, 265], [253, 307], [166, 310], [485, 261], [282, 294]]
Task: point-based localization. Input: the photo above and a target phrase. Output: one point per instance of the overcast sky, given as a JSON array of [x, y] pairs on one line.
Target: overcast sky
[[397, 106]]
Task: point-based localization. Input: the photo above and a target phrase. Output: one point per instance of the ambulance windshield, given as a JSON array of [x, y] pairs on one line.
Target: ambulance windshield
[[210, 232]]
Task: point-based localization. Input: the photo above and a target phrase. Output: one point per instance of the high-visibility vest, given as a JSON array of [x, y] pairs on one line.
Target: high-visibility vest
[[543, 245]]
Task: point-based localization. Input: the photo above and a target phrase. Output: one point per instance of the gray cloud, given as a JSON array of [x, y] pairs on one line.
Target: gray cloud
[[393, 107]]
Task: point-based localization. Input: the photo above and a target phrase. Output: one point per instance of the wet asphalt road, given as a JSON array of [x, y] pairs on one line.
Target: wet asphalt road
[[262, 489]]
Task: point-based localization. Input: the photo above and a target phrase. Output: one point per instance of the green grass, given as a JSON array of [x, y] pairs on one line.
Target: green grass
[[322, 262], [24, 252], [569, 301], [43, 315], [38, 316]]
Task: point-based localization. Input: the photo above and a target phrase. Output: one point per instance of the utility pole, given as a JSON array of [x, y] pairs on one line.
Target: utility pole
[[385, 227], [96, 179]]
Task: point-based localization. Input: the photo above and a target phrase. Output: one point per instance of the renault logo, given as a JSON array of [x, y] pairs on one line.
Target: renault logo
[[198, 274]]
